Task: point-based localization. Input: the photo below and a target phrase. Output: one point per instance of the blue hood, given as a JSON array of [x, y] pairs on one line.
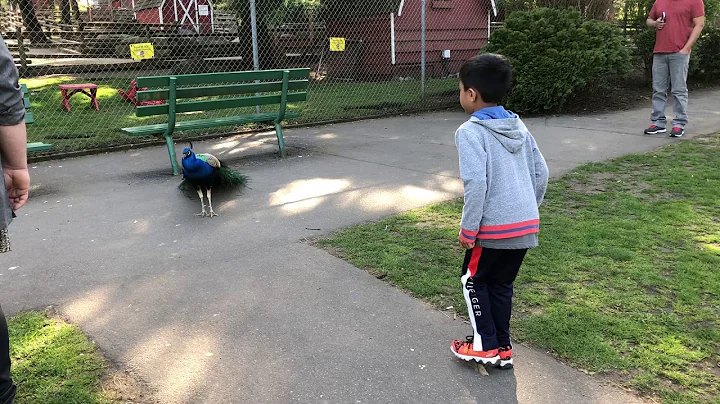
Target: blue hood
[[498, 112]]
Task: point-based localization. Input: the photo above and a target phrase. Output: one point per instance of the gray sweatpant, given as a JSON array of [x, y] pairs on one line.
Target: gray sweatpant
[[670, 70]]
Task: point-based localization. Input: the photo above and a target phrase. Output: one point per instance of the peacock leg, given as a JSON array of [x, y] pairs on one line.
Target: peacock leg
[[202, 202], [209, 196]]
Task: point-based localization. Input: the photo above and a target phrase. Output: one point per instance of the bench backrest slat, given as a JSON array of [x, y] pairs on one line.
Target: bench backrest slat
[[213, 78], [223, 103], [231, 89], [252, 88], [29, 117]]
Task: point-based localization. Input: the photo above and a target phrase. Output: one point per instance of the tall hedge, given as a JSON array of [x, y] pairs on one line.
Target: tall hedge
[[555, 54], [707, 51]]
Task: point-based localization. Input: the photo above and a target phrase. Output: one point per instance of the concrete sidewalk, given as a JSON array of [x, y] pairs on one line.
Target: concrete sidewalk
[[239, 308]]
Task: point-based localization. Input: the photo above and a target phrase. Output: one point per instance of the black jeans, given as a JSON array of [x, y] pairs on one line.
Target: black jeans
[[487, 279], [7, 388]]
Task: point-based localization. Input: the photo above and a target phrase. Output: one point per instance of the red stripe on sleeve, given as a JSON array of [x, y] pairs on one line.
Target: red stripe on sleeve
[[507, 235], [510, 226]]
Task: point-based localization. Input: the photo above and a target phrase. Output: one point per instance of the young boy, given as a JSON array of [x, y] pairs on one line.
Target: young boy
[[505, 178]]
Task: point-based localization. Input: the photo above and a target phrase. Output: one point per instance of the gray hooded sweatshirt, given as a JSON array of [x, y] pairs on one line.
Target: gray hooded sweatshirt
[[505, 178]]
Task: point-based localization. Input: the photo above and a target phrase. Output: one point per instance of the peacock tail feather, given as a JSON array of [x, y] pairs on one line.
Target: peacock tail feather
[[226, 180]]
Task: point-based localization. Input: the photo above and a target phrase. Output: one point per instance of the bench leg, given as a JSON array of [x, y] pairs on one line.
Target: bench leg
[[171, 153], [281, 142], [65, 100], [93, 98]]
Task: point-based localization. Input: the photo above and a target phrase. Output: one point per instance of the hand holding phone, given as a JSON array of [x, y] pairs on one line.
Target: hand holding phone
[[660, 22]]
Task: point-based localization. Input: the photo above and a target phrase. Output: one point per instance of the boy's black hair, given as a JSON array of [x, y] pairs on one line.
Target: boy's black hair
[[488, 74]]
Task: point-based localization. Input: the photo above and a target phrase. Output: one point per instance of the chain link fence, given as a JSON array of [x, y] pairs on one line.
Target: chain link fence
[[366, 57]]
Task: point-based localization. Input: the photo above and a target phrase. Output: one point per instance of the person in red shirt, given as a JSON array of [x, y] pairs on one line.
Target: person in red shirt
[[14, 186], [678, 24]]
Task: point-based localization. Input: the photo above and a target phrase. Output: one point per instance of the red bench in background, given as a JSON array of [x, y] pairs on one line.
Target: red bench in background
[[68, 90]]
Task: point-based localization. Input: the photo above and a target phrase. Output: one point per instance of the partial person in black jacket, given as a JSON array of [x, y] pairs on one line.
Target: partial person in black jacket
[[16, 185]]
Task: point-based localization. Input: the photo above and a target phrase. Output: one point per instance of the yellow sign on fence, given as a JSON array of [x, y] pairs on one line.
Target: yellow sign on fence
[[140, 51], [337, 44]]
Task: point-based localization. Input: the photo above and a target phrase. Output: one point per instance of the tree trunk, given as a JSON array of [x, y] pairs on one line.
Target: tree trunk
[[76, 11], [65, 16], [33, 30]]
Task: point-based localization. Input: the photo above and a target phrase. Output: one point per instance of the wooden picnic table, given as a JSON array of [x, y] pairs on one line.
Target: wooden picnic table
[[68, 90]]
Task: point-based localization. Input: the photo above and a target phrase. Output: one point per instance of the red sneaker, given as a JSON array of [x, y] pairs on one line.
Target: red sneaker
[[464, 350], [654, 130], [506, 361], [677, 132]]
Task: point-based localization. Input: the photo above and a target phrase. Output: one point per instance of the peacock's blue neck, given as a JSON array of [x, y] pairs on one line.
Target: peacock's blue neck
[[196, 168]]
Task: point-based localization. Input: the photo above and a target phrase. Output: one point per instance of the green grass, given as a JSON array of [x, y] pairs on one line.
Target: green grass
[[84, 127], [626, 281], [53, 362]]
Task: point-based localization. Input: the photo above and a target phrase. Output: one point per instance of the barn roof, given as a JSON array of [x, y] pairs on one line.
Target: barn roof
[[147, 4]]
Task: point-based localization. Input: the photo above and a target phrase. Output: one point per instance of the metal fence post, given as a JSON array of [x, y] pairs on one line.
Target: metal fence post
[[21, 47], [422, 47], [253, 27]]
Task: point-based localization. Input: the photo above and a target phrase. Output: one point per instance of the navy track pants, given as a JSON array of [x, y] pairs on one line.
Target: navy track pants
[[487, 279]]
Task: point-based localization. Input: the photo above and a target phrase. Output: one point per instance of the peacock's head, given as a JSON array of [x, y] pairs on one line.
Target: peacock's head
[[187, 152]]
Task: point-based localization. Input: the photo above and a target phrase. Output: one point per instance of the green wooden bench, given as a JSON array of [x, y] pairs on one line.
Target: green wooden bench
[[190, 92], [38, 147], [30, 118]]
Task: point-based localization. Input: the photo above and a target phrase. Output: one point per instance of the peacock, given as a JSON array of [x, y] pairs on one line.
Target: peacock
[[205, 172]]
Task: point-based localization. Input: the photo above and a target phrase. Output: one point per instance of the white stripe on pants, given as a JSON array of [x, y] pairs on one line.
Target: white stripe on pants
[[477, 339]]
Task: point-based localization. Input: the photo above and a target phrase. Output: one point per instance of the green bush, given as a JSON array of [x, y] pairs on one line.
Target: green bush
[[644, 40], [707, 51], [712, 12], [555, 54]]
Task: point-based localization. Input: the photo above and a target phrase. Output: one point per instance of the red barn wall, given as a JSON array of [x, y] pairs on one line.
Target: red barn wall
[[374, 31], [458, 25], [149, 16], [169, 13]]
